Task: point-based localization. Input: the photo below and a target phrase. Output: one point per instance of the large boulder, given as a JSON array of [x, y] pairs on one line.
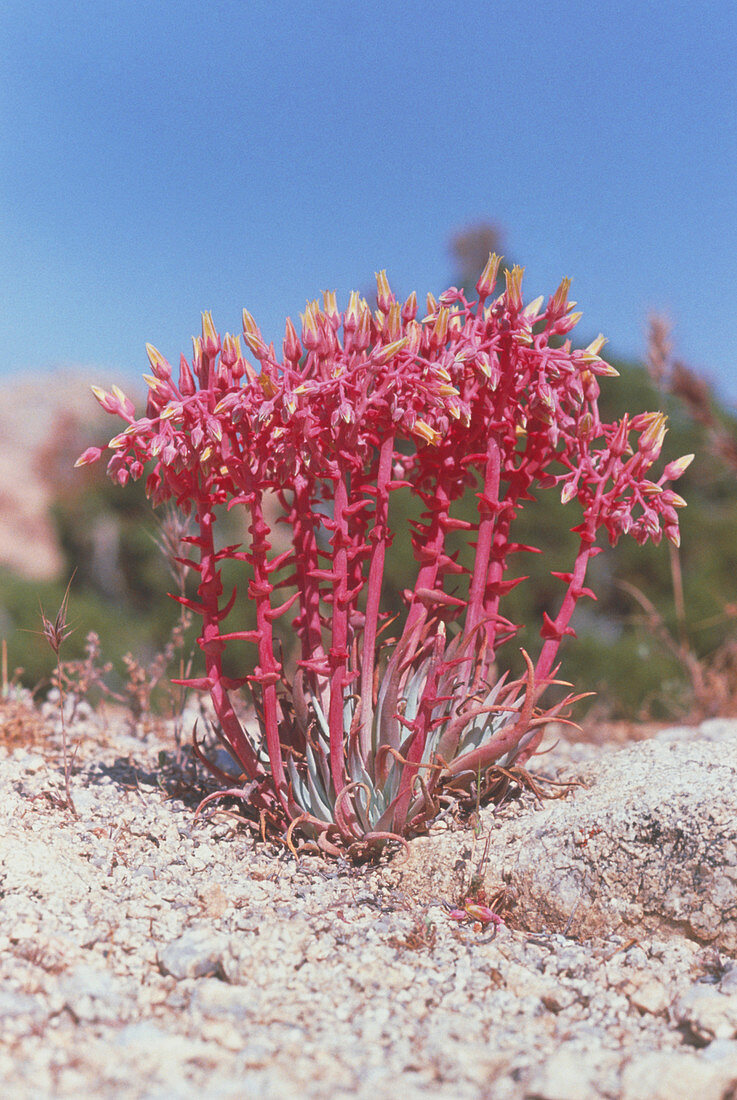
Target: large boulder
[[646, 845]]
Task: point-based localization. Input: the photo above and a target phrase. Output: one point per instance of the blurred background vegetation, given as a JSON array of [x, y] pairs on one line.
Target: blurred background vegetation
[[658, 644]]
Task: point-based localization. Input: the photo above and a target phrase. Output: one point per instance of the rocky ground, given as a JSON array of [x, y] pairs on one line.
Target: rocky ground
[[144, 953]]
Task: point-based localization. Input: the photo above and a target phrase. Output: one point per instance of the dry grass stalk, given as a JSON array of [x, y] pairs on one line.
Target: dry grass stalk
[[56, 634]]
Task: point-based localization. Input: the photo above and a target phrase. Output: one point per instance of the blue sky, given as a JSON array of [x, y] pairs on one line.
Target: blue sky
[[161, 158]]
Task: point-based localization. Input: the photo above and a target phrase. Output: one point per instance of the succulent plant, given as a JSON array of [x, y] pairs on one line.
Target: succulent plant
[[371, 734]]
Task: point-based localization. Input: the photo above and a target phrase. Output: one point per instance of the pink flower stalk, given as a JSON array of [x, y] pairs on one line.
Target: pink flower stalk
[[357, 746]]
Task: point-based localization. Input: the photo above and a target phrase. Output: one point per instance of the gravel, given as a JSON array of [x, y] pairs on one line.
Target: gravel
[[146, 953]]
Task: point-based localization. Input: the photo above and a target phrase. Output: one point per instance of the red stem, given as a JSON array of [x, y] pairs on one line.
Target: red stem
[[484, 569], [550, 647], [268, 671], [209, 590], [302, 521], [428, 550], [338, 655], [419, 737], [379, 537]]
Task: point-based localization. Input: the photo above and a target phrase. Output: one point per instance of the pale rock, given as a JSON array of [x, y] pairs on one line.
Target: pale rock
[[678, 1075], [197, 953], [215, 998], [649, 995], [646, 847], [569, 1074], [94, 995], [707, 1013]]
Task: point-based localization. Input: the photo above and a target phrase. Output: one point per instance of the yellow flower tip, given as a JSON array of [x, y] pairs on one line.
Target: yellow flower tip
[[568, 492], [654, 434], [488, 277], [249, 325], [679, 466], [440, 328], [674, 536], [574, 318], [206, 454], [423, 430], [100, 394], [267, 385], [364, 324], [432, 306], [414, 336], [309, 320], [384, 296], [514, 286], [393, 326], [409, 309], [483, 364], [585, 425], [596, 345], [677, 500], [330, 305], [352, 314], [531, 311], [210, 338], [388, 352], [559, 302], [255, 344]]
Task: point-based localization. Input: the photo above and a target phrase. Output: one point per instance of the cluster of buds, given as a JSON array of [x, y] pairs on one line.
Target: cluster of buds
[[485, 395]]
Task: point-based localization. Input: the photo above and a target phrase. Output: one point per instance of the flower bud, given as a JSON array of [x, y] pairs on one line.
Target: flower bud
[[187, 384], [353, 313], [651, 440], [210, 338], [677, 468], [383, 355], [331, 309], [90, 455], [568, 492], [531, 311], [440, 328], [488, 277], [423, 430], [159, 365], [409, 309], [514, 286], [291, 346], [559, 303], [363, 335], [384, 296]]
